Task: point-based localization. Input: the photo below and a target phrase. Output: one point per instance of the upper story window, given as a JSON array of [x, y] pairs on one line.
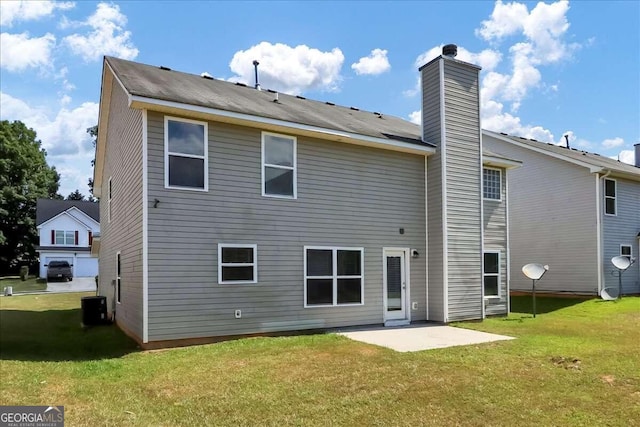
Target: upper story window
[[62, 237], [278, 165], [491, 274], [333, 276], [185, 145], [610, 193], [237, 263], [492, 184], [626, 250]]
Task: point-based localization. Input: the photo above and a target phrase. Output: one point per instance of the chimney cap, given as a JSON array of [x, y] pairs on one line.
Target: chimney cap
[[450, 50]]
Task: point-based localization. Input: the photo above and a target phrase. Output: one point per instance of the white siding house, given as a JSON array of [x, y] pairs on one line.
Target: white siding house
[[66, 229]]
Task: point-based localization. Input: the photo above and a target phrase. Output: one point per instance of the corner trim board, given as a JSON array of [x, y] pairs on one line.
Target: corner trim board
[[145, 230]]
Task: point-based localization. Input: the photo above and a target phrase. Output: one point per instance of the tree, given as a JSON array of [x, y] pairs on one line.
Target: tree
[[93, 131], [25, 176], [76, 195]]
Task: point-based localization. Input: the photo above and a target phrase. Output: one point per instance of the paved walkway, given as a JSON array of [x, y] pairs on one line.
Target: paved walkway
[[78, 284], [420, 337]]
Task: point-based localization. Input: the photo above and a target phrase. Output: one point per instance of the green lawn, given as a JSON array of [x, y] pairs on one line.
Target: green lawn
[[32, 284], [577, 363]]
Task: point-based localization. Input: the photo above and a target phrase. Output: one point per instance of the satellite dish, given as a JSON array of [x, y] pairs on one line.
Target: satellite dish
[[621, 262], [609, 294], [535, 271]]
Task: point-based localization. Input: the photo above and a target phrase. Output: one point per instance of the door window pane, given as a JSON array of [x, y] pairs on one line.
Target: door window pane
[[394, 283]]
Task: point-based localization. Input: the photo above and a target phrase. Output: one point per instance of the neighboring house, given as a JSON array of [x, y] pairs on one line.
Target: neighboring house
[[574, 211], [66, 229], [229, 210]]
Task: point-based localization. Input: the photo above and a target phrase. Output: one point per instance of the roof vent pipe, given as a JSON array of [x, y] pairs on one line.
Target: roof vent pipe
[[637, 162], [450, 50], [255, 65], [567, 138]]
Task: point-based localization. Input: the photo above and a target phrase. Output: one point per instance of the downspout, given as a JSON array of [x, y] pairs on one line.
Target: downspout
[[599, 237]]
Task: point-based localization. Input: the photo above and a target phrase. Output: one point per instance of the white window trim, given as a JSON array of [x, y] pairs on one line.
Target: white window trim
[[498, 274], [294, 168], [109, 188], [614, 197], [334, 277], [499, 181], [64, 243], [118, 278], [167, 153], [235, 264], [623, 245]]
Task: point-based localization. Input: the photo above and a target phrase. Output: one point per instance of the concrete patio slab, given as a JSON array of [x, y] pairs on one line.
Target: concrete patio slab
[[420, 337]]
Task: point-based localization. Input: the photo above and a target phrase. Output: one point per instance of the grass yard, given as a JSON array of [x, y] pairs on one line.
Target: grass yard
[[32, 284], [577, 363]]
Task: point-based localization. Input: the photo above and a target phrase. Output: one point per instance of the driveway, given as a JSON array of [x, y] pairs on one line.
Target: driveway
[[420, 337], [78, 284]]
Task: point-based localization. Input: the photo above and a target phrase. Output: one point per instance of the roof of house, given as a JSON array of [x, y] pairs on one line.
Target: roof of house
[[592, 159], [48, 208], [164, 84]]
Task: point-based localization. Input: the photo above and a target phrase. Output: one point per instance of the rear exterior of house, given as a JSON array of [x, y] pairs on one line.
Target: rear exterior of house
[[558, 216], [227, 221]]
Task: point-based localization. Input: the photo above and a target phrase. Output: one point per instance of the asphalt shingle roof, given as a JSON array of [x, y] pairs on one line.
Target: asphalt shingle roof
[[168, 85], [48, 208]]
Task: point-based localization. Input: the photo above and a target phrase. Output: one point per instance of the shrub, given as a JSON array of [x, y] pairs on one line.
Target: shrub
[[24, 272]]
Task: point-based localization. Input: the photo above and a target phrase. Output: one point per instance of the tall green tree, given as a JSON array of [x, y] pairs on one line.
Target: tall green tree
[[25, 176], [93, 131], [76, 195]]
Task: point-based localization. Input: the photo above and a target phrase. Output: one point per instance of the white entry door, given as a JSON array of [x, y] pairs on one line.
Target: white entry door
[[395, 286]]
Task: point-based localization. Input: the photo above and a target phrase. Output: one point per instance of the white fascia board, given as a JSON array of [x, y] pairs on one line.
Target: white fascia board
[[500, 162], [140, 102]]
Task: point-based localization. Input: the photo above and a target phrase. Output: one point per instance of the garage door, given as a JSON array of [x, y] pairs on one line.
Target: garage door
[[85, 267]]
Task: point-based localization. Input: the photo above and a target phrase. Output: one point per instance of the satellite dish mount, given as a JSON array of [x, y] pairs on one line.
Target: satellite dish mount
[[535, 273], [622, 264]]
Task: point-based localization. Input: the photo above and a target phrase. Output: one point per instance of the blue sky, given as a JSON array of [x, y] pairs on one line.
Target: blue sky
[[549, 69]]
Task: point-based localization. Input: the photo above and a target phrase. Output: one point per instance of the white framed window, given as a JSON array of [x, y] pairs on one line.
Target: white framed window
[[186, 154], [626, 250], [279, 171], [491, 274], [333, 276], [237, 263], [64, 238], [610, 194], [492, 184], [118, 280], [109, 196]]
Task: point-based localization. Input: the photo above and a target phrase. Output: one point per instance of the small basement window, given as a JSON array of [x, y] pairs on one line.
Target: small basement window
[[278, 165], [185, 145], [491, 276], [333, 276], [610, 193], [237, 263], [492, 184]]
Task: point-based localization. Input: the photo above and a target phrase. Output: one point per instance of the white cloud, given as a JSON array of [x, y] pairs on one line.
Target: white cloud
[[374, 64], [626, 156], [613, 142], [414, 90], [416, 117], [19, 52], [506, 19], [69, 146], [15, 11], [106, 37], [288, 69]]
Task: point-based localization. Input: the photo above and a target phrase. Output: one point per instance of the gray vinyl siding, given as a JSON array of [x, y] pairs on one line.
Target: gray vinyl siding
[[622, 229], [348, 196], [123, 162], [431, 132], [495, 239], [552, 220], [464, 222]]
